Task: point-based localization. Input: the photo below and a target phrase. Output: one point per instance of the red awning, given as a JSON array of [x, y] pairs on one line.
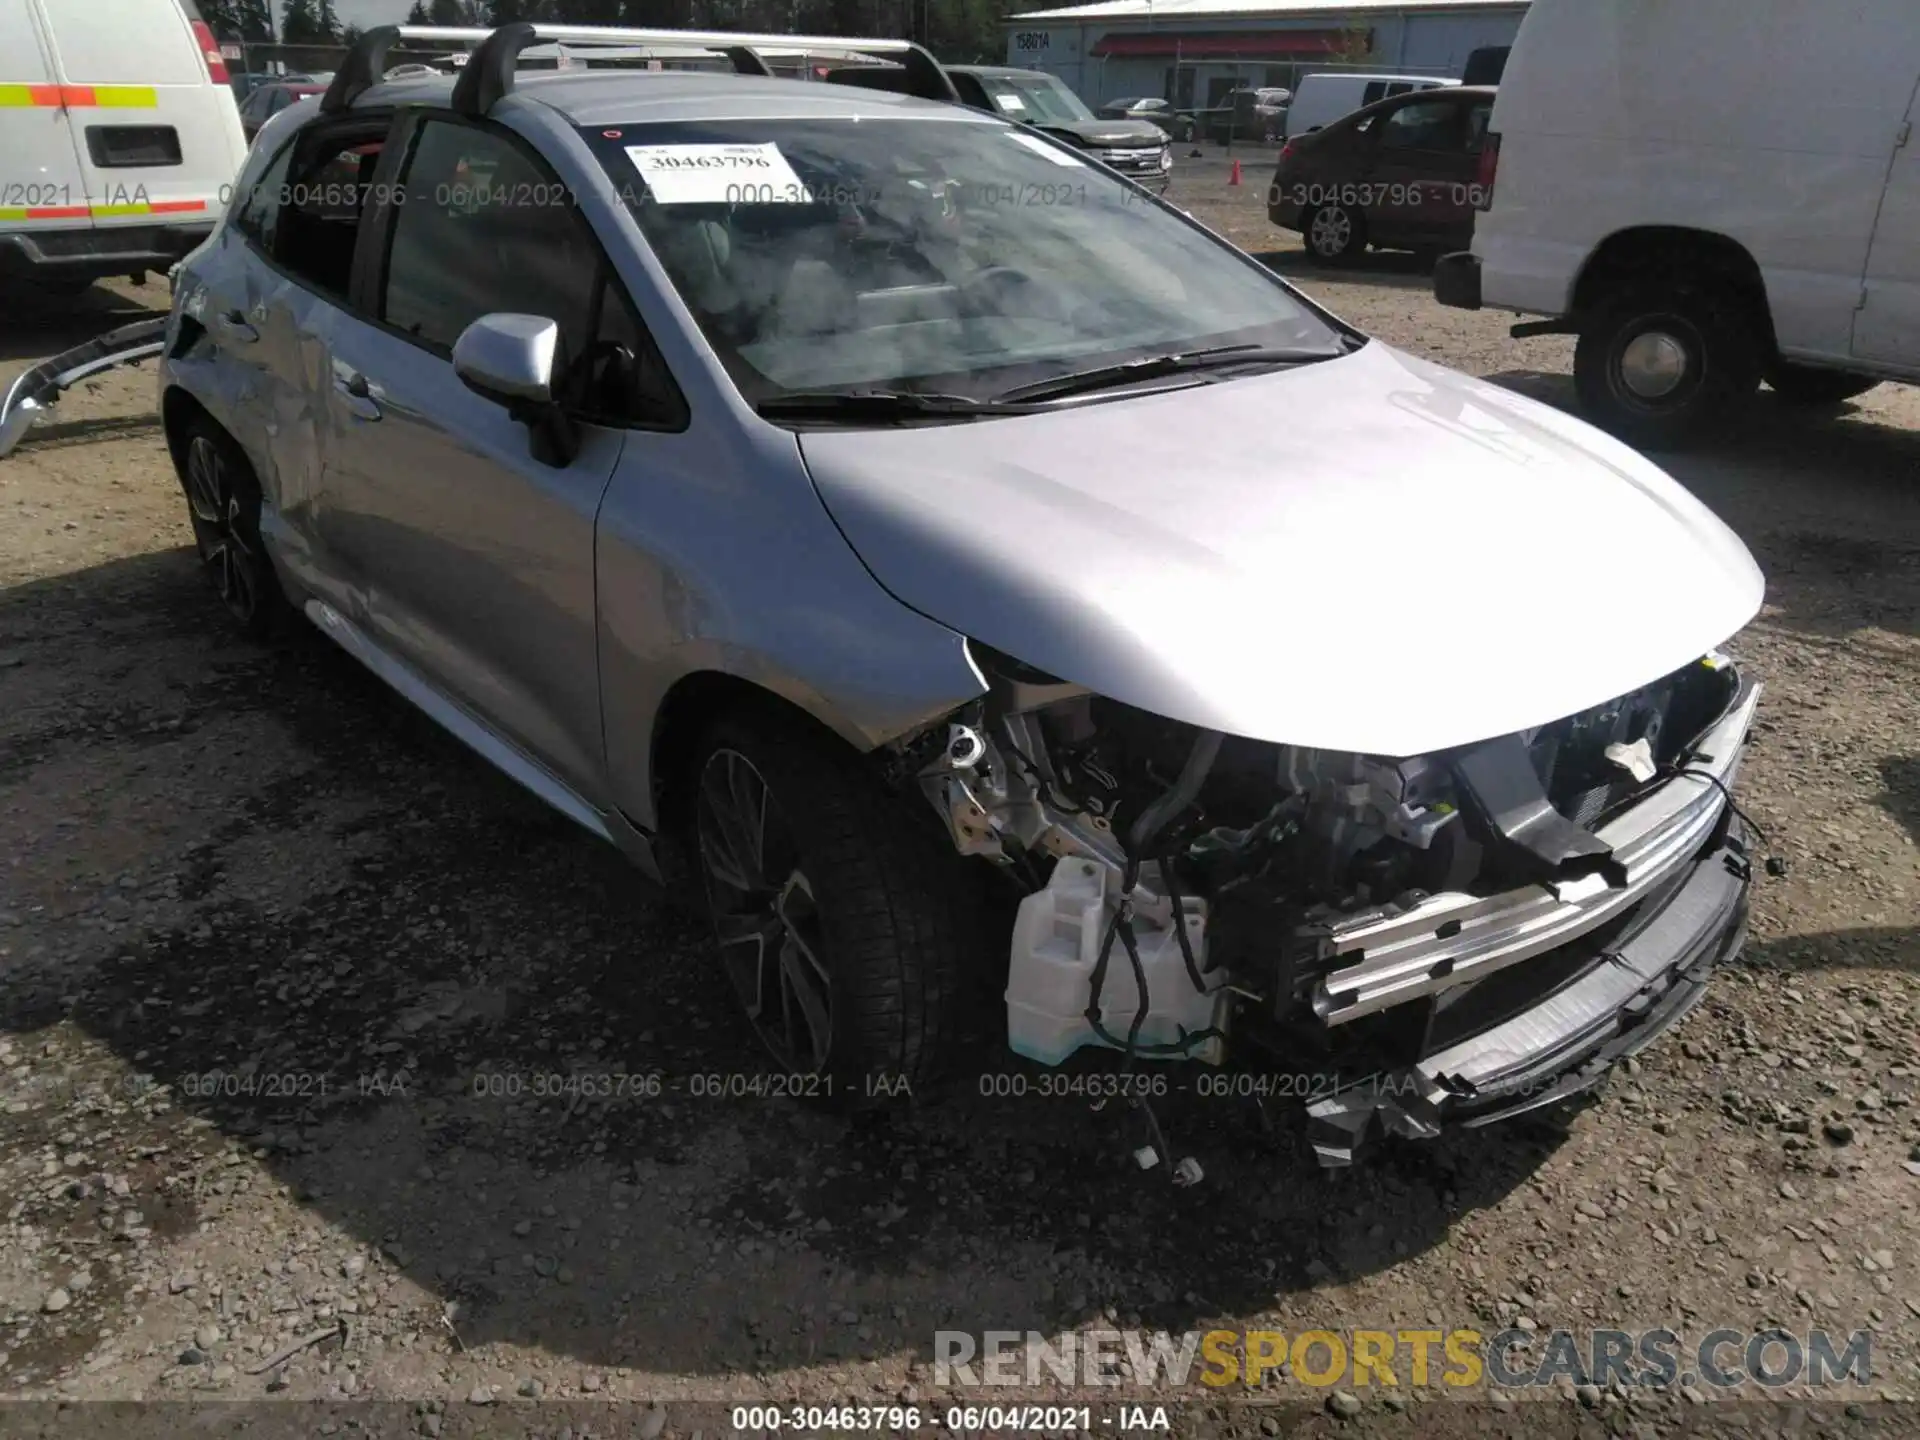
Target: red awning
[[1244, 45]]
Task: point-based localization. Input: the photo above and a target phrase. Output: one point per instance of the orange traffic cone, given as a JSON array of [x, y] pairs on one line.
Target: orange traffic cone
[[1234, 178]]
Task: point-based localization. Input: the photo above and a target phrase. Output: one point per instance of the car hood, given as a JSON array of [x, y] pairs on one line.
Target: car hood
[[1108, 134], [1371, 554]]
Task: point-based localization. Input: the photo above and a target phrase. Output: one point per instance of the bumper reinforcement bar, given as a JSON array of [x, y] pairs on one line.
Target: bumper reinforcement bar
[[1641, 985], [1455, 939]]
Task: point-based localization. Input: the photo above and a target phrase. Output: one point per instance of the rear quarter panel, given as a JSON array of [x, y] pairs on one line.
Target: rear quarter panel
[[1770, 122]]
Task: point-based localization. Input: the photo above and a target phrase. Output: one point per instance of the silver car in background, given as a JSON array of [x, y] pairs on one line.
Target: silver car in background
[[976, 579]]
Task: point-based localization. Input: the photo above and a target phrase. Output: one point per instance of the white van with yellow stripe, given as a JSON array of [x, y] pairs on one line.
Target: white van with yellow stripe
[[119, 137]]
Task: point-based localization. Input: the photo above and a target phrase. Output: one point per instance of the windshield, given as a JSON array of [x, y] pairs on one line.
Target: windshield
[[1036, 99], [958, 255]]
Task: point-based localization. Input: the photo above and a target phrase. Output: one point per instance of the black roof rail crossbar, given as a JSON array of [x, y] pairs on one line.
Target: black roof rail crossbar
[[747, 61], [366, 61], [489, 72]]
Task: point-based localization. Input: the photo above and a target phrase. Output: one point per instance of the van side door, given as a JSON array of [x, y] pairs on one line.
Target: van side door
[[41, 188], [1887, 326]]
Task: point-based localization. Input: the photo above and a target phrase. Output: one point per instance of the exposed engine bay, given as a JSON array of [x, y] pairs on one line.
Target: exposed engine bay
[[1190, 895]]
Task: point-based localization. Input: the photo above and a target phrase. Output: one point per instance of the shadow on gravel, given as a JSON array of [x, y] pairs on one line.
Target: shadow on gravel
[[59, 435], [39, 324], [1825, 500], [1385, 269], [1900, 791], [1883, 948], [467, 1035]]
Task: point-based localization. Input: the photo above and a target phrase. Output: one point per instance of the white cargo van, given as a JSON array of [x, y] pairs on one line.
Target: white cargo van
[[119, 138], [1323, 99], [1708, 194]]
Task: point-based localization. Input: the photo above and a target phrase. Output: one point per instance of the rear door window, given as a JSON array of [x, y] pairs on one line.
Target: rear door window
[[304, 213], [1478, 119], [1424, 125]]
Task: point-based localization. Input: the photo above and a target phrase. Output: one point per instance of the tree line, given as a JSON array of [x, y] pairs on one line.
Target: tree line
[[955, 30]]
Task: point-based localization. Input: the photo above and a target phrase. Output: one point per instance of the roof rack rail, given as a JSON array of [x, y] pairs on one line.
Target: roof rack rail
[[489, 72], [366, 61]]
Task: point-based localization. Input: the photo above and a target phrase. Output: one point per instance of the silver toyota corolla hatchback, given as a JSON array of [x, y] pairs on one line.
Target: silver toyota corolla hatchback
[[978, 581]]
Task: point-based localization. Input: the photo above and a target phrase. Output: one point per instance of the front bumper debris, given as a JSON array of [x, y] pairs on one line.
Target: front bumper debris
[[1627, 960], [1633, 989], [1454, 939], [35, 390]]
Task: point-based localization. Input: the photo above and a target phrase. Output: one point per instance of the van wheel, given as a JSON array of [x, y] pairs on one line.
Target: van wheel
[[1660, 369], [223, 503], [844, 931], [1809, 386], [1336, 234]]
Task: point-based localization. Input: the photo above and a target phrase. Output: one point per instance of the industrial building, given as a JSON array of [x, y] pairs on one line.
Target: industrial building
[[1195, 52]]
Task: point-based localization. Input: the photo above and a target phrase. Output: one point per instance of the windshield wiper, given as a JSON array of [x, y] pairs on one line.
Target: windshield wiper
[[882, 405], [1153, 366]]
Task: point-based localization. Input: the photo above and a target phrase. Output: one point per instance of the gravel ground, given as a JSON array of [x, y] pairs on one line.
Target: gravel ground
[[255, 863]]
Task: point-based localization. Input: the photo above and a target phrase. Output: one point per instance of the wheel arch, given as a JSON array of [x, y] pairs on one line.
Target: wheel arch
[[695, 700], [178, 410], [1680, 257]]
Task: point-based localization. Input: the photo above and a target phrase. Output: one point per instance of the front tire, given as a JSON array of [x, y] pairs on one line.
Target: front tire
[[1662, 369], [1813, 388], [843, 930], [1335, 234], [223, 504]]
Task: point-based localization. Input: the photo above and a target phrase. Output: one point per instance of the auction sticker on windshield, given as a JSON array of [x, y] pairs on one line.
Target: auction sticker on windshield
[[713, 174]]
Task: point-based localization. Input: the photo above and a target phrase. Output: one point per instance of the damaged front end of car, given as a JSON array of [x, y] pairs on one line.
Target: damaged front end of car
[[1443, 939]]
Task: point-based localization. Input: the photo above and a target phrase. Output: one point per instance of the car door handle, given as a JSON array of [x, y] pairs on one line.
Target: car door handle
[[234, 326], [359, 396]]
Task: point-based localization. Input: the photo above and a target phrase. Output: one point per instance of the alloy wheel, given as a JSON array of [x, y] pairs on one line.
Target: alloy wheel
[[232, 563], [765, 915], [1332, 232]]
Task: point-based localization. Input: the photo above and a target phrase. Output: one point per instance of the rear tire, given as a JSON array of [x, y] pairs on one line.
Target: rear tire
[[847, 934], [1661, 369], [223, 505], [1335, 235], [1804, 385]]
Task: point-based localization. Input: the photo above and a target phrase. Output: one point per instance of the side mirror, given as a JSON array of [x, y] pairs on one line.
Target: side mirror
[[508, 359], [511, 359]]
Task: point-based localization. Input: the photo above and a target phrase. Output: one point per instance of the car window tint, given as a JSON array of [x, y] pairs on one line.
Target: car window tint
[[259, 213], [484, 228], [1478, 119], [621, 379], [321, 205], [1373, 92], [1425, 125], [971, 92]]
